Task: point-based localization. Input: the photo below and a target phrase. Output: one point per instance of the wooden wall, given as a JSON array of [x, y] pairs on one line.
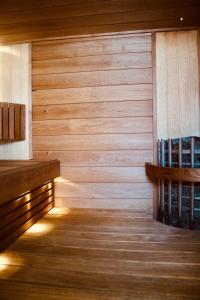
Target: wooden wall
[[22, 20], [177, 84], [92, 109], [15, 87]]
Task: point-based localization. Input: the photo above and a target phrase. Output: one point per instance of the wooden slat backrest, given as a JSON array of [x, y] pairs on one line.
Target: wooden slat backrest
[[12, 122]]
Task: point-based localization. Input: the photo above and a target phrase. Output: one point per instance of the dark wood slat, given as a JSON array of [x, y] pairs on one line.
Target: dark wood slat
[[6, 208], [23, 122], [1, 122], [25, 209], [17, 122], [11, 121], [5, 121], [20, 230], [4, 233]]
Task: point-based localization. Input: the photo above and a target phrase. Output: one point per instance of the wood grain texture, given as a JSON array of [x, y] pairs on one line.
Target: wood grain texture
[[80, 9], [23, 122], [92, 78], [92, 63], [92, 109], [88, 4], [93, 126], [118, 158], [5, 121], [76, 24], [12, 122], [177, 174], [177, 84], [26, 22], [93, 142], [99, 45], [103, 190], [1, 122], [92, 94], [104, 174], [17, 121], [102, 254], [139, 205]]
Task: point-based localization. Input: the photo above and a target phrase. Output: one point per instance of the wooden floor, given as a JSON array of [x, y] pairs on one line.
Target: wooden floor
[[96, 254]]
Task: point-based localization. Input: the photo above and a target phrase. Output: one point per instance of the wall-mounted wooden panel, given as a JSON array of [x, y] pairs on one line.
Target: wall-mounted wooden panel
[[29, 20], [177, 84], [12, 122], [15, 87], [92, 109]]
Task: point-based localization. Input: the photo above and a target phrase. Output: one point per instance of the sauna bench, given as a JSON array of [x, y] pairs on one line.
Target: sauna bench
[[26, 194]]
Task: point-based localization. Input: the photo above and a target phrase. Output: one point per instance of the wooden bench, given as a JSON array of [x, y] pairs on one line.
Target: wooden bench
[[26, 194]]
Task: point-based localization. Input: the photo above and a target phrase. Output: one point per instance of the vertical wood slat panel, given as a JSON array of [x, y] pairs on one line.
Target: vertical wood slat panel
[[17, 122], [177, 84], [5, 122], [1, 123], [22, 122], [12, 122]]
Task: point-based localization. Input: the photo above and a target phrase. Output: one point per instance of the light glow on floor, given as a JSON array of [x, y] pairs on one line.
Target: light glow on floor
[[40, 228], [58, 212], [64, 181], [10, 263], [4, 261]]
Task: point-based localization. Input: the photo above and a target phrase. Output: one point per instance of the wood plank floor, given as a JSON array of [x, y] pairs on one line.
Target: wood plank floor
[[97, 254]]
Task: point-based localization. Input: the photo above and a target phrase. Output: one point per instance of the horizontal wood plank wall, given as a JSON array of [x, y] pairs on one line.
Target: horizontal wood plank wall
[[92, 109], [177, 84], [23, 20]]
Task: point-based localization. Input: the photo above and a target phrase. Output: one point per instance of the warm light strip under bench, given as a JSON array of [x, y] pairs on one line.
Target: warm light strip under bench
[[27, 193]]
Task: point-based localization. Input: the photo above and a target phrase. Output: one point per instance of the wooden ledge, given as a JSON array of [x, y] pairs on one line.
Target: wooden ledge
[[155, 172], [19, 177]]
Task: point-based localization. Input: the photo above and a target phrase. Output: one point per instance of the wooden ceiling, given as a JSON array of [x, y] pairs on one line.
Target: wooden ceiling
[[22, 20]]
